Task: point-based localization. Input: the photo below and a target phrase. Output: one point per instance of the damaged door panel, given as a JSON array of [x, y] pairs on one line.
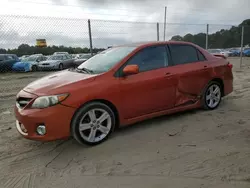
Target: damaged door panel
[[192, 73], [193, 78]]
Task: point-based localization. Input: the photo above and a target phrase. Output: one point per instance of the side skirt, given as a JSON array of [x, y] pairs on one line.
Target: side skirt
[[161, 113]]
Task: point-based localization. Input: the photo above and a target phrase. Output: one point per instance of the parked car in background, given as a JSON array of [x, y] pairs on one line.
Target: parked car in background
[[218, 51], [235, 52], [74, 56], [246, 52], [120, 86], [24, 56], [61, 53], [226, 52], [56, 62], [7, 61], [81, 58], [29, 64]]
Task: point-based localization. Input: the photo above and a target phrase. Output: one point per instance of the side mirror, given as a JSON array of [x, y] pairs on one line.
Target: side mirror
[[130, 69]]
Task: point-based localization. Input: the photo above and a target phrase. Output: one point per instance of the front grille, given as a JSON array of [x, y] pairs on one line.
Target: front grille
[[23, 101]]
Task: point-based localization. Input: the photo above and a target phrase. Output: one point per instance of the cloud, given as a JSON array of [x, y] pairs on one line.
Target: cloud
[[70, 28]]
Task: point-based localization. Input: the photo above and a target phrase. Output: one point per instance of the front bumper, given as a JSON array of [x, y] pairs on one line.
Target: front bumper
[[57, 120], [21, 69]]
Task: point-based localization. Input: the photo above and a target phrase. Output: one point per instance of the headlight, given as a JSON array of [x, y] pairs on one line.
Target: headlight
[[47, 101]]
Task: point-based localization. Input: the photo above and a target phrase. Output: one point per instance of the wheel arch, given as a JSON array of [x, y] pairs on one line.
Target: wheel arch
[[220, 81], [106, 102]]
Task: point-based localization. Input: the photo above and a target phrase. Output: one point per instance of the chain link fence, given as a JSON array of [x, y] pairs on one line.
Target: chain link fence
[[72, 39]]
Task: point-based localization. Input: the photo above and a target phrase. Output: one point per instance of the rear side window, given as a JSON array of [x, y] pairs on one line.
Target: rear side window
[[150, 58], [182, 54], [201, 56]]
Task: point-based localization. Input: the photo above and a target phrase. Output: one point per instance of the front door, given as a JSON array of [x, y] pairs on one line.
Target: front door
[[152, 89]]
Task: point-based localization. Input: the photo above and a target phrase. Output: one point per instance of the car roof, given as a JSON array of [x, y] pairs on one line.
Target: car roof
[[152, 43], [58, 54]]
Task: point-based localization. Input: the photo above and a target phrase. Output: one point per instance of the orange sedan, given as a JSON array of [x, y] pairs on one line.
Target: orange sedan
[[120, 86]]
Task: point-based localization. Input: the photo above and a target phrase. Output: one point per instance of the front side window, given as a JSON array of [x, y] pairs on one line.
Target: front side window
[[104, 61], [182, 54], [150, 58]]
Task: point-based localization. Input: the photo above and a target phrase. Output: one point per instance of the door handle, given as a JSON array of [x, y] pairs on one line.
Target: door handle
[[205, 66], [168, 73]]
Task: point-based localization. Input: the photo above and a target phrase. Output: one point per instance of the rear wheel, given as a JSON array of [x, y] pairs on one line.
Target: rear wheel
[[93, 123], [61, 66], [34, 68], [212, 96]]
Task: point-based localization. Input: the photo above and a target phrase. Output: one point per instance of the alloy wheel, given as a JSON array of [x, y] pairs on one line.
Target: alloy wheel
[[213, 96], [95, 125]]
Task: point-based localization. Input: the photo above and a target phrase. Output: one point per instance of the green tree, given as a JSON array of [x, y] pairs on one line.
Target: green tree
[[225, 38]]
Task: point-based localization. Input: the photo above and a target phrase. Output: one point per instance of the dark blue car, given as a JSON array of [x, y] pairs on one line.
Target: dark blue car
[[235, 52], [246, 52], [7, 61], [29, 64]]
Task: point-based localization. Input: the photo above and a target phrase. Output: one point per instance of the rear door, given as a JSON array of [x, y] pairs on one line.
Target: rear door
[[191, 67], [67, 61]]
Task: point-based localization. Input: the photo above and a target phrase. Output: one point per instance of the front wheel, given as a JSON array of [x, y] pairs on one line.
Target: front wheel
[[34, 68], [93, 123], [212, 96]]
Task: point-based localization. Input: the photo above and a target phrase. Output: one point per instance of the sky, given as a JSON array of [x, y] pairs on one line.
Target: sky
[[113, 22]]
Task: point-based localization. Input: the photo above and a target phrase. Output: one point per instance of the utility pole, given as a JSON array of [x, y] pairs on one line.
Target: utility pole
[[165, 19], [207, 36], [242, 45]]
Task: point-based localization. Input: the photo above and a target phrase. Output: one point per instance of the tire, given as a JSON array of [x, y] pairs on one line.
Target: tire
[[92, 126], [60, 66], [34, 68], [215, 97]]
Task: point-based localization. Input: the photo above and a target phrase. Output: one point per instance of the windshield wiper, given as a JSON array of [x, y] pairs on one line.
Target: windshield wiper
[[85, 70]]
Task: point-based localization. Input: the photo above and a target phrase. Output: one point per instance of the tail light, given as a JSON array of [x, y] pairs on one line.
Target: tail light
[[230, 65]]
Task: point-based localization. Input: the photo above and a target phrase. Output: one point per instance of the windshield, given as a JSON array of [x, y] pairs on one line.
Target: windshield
[[30, 58], [55, 57], [105, 60]]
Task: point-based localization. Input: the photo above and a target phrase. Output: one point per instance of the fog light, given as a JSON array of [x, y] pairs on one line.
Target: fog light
[[41, 130], [23, 128]]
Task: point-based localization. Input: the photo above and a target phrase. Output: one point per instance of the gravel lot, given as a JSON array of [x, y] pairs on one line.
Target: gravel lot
[[192, 149]]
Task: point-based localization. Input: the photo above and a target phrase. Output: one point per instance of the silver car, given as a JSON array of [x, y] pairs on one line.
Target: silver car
[[218, 51], [56, 62]]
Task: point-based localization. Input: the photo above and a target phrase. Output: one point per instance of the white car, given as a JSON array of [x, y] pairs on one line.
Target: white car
[[218, 51], [61, 53]]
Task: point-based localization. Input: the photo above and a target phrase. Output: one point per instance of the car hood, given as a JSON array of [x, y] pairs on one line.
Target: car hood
[[23, 63], [60, 82]]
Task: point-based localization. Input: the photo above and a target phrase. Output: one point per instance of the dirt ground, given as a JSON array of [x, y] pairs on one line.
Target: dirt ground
[[192, 149]]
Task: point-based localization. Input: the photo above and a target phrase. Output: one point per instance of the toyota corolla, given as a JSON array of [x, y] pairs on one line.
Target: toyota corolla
[[120, 86]]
